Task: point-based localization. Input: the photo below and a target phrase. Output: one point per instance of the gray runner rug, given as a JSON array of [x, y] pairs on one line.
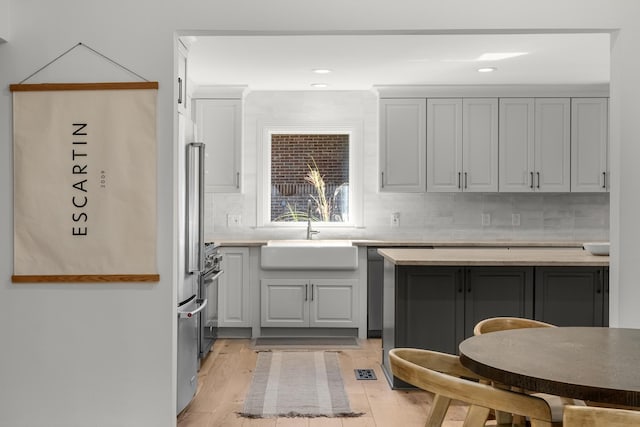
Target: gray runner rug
[[297, 384]]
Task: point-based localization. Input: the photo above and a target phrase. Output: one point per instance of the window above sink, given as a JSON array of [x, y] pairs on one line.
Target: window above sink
[[316, 163]]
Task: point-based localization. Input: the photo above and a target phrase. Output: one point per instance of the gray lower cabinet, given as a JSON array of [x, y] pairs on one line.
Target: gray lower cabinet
[[572, 296], [497, 291], [429, 309], [375, 275], [437, 307]]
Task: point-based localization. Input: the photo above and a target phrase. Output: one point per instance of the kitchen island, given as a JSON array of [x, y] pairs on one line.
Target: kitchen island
[[434, 297]]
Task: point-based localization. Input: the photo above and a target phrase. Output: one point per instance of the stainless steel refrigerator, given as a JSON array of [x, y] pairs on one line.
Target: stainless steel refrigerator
[[190, 303]]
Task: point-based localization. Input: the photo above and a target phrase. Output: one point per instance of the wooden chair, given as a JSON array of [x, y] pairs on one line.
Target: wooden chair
[[443, 375], [590, 416], [495, 324]]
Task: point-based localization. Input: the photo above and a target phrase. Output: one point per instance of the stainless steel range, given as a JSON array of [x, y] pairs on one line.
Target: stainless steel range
[[208, 283]]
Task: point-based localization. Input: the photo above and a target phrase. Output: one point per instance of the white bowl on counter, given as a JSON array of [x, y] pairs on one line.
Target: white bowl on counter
[[597, 248]]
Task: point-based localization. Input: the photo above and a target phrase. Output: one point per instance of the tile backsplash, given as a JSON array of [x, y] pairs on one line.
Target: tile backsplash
[[450, 216], [423, 216]]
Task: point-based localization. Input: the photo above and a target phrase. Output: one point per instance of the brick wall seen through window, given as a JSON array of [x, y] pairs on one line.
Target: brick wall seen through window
[[292, 156]]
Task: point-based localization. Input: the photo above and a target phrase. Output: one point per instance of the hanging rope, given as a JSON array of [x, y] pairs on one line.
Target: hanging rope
[[92, 50]]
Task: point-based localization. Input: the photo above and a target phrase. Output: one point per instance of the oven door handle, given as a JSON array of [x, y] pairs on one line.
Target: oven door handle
[[213, 275], [190, 314]]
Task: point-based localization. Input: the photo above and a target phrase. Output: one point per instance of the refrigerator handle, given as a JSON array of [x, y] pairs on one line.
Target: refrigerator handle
[[198, 265], [201, 208]]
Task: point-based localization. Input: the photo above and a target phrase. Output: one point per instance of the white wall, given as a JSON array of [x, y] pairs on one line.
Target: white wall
[[625, 150], [87, 355], [4, 20], [269, 109]]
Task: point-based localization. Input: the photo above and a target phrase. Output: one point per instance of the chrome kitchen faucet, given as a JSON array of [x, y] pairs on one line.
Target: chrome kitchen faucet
[[310, 232]]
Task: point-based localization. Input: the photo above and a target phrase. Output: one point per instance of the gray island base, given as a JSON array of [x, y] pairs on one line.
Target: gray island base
[[434, 297]]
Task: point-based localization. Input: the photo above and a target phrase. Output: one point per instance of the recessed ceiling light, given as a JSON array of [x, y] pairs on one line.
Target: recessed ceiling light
[[321, 71], [319, 85], [487, 69], [497, 56]]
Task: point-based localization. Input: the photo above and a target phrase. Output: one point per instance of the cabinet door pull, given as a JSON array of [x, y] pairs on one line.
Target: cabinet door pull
[[465, 180], [382, 179], [531, 180], [179, 90], [312, 292], [604, 180], [306, 292], [538, 174], [459, 179], [237, 179]]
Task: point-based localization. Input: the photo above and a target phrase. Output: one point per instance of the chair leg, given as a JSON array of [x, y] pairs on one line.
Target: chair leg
[[540, 423], [476, 416], [438, 411], [518, 420], [503, 418]]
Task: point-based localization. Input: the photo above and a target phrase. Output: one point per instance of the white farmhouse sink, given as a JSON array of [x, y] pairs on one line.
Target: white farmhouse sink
[[309, 255], [312, 243]]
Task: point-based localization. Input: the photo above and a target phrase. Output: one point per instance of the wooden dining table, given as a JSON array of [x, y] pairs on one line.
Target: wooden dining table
[[593, 364]]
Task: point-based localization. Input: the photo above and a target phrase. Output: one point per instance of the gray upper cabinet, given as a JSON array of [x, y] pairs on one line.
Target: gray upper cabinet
[[589, 145], [444, 145], [535, 144], [552, 144], [516, 144], [219, 126], [490, 145], [480, 144], [462, 144], [402, 145]]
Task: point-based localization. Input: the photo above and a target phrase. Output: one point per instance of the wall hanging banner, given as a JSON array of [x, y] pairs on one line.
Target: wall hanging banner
[[84, 182]]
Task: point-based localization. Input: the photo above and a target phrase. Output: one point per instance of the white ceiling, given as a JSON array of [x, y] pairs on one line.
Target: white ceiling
[[359, 62]]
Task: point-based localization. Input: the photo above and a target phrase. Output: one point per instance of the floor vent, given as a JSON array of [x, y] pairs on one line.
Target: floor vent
[[365, 374]]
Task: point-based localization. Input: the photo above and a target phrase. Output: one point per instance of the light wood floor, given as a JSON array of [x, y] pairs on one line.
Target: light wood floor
[[226, 373]]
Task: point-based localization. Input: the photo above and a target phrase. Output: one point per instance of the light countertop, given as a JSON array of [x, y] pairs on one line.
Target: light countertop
[[423, 243], [493, 257]]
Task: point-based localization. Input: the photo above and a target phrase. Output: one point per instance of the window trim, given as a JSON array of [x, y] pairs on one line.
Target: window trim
[[353, 129]]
